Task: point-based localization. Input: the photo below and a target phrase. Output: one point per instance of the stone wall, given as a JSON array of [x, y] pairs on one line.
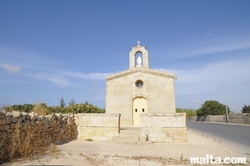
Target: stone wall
[[214, 118], [240, 118], [164, 127], [49, 129], [192, 119], [98, 127]]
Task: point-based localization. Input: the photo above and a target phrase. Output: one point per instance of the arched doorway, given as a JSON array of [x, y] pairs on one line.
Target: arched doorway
[[139, 106]]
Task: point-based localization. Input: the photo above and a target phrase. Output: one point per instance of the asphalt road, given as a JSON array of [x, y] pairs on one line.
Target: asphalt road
[[233, 136]]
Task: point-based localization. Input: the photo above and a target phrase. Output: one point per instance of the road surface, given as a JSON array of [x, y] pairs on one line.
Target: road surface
[[233, 136]]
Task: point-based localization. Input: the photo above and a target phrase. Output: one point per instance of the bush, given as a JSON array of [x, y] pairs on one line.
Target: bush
[[246, 109], [23, 108], [83, 108], [199, 112], [43, 109], [212, 107], [189, 112]]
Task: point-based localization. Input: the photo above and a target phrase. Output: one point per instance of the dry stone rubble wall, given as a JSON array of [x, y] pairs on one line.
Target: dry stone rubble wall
[[50, 128]]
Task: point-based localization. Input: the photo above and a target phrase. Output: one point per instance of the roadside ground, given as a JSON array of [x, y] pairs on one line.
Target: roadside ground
[[94, 153]]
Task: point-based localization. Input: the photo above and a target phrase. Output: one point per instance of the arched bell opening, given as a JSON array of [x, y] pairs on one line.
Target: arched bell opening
[[138, 59]]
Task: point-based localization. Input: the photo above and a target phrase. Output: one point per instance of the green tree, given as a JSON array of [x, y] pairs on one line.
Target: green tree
[[199, 112], [212, 107], [246, 109], [62, 103], [72, 102]]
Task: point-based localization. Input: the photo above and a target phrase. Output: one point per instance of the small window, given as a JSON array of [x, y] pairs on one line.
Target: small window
[[143, 110], [139, 83], [135, 110]]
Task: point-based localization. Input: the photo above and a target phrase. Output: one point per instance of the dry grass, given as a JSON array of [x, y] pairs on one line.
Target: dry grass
[[7, 108], [24, 144], [53, 149], [39, 109]]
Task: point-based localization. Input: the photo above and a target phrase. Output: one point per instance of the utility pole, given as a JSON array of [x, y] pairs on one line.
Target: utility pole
[[227, 118]]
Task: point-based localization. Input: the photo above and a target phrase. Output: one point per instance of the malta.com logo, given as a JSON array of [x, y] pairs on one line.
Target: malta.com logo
[[209, 159]]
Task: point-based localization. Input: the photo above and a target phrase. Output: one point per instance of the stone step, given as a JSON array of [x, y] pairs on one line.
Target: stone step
[[130, 136]]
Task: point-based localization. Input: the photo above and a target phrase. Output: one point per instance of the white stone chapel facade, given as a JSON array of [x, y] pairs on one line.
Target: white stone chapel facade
[[139, 90]]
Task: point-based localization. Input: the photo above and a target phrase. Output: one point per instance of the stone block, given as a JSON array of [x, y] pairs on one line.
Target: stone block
[[4, 134], [163, 120], [2, 121], [13, 125], [19, 119], [32, 122], [16, 114], [13, 119], [53, 123], [57, 130], [2, 127], [164, 127], [154, 135], [159, 139], [101, 120], [33, 116], [58, 122], [70, 121], [97, 133], [28, 117], [6, 127], [9, 131], [59, 116], [24, 115], [2, 115], [38, 122], [98, 126], [26, 122], [39, 118], [51, 117], [8, 119]]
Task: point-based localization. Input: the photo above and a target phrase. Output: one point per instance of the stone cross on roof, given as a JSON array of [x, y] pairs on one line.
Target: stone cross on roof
[[138, 43]]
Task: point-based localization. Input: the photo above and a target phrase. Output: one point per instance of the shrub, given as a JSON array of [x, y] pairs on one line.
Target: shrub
[[246, 109], [212, 107], [189, 112], [23, 108], [199, 112], [40, 109], [43, 109]]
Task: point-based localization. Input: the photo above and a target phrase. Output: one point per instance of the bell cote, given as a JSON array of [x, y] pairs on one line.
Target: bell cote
[[138, 57]]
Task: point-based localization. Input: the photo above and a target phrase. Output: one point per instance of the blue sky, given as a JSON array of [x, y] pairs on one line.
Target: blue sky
[[50, 49]]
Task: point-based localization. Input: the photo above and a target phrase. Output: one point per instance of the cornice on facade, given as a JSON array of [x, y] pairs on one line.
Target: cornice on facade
[[141, 70]]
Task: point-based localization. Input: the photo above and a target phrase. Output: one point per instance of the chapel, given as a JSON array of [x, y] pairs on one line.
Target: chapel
[[139, 90]]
